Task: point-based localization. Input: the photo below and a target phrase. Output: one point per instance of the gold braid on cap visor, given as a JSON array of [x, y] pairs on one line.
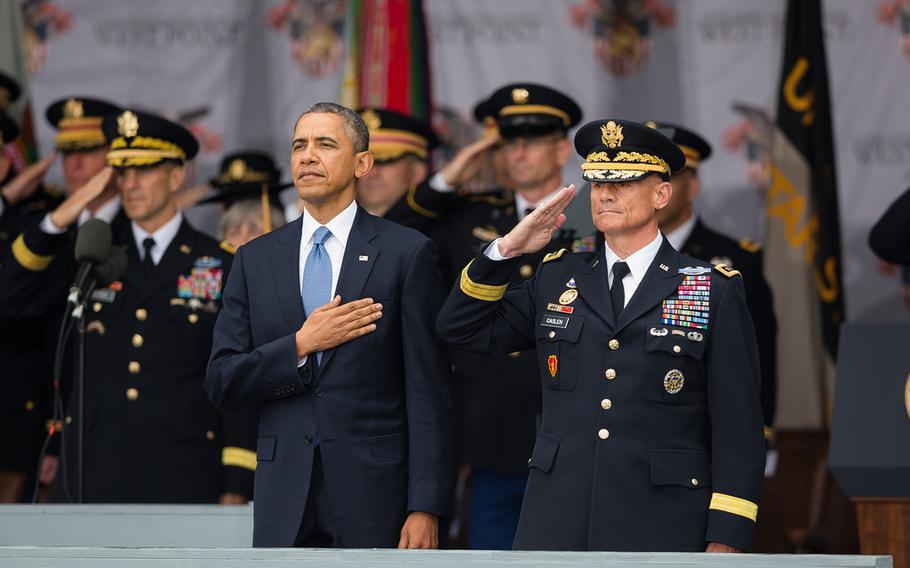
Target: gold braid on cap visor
[[143, 151], [634, 161]]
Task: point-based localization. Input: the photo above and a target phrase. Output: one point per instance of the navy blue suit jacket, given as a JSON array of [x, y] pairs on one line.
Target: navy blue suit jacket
[[379, 407]]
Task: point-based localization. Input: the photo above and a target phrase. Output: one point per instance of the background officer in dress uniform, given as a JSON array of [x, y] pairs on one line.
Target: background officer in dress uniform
[[247, 186], [689, 234], [651, 432], [500, 400], [151, 435], [26, 201]]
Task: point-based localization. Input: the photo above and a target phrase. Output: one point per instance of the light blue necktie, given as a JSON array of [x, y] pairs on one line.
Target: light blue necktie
[[317, 276]]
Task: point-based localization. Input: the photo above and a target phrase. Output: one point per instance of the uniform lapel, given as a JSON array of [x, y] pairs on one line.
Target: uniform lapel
[[656, 286], [360, 256], [286, 268], [593, 288]]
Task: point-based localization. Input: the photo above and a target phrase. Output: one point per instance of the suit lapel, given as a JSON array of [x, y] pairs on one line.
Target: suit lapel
[[360, 256], [286, 268], [656, 286], [593, 289]]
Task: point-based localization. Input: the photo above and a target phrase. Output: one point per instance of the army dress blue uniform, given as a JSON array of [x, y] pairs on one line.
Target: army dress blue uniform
[[651, 428]]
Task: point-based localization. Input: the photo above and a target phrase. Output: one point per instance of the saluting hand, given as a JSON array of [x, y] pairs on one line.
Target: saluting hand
[[24, 185], [336, 323], [535, 231], [465, 164], [69, 210]]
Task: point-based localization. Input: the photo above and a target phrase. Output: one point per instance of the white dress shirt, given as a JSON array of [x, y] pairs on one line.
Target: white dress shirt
[[680, 235], [106, 213], [340, 227], [163, 237], [639, 262]]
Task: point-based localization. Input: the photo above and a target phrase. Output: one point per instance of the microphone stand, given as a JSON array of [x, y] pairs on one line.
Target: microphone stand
[[78, 315]]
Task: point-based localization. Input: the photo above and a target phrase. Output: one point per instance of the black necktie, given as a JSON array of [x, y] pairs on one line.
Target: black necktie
[[617, 292], [147, 264]]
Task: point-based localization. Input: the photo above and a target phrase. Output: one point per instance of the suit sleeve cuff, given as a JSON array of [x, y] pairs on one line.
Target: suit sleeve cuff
[[731, 521]]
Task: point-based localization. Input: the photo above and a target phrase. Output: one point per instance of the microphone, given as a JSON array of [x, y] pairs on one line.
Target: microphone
[[112, 268], [93, 245]]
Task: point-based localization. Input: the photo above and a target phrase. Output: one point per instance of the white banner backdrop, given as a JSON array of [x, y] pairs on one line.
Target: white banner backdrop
[[239, 72]]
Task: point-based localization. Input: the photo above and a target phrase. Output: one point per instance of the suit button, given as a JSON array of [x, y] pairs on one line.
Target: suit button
[[526, 271], [137, 340], [606, 404], [209, 435], [319, 393], [694, 482], [610, 374], [614, 344], [96, 307], [307, 379], [141, 314], [308, 439], [603, 434], [132, 393], [134, 367], [677, 349], [551, 335], [193, 318]]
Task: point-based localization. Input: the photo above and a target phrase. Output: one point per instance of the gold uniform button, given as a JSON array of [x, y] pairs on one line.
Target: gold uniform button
[[209, 435], [69, 419], [694, 482], [551, 335], [526, 271], [132, 393], [141, 314], [96, 307], [515, 354], [677, 349], [610, 374], [606, 404], [29, 405], [614, 344], [193, 318], [134, 367], [137, 340], [603, 434]]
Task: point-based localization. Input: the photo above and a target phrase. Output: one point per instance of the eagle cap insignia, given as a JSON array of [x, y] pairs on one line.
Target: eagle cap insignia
[[520, 95], [128, 124], [611, 134], [371, 119], [73, 109], [237, 169]]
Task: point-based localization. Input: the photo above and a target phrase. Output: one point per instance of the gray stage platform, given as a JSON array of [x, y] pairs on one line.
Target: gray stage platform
[[283, 558], [207, 536]]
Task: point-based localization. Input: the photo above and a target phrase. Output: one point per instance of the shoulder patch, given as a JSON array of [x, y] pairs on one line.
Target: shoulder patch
[[749, 245], [727, 271], [227, 247], [554, 255]]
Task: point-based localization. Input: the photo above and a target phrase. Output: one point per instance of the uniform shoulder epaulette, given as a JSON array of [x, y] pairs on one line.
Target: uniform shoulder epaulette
[[227, 247], [749, 245], [554, 255], [726, 270]]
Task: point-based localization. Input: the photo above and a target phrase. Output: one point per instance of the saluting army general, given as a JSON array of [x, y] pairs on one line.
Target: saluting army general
[[151, 435], [651, 430]]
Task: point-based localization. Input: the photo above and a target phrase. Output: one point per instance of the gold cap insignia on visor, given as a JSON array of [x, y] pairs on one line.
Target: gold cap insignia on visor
[[73, 109], [128, 124], [611, 134], [237, 169], [520, 96], [372, 120]]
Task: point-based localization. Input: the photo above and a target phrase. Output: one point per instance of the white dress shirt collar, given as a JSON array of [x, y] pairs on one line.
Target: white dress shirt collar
[[340, 225], [638, 262], [106, 212], [680, 235], [163, 237]]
